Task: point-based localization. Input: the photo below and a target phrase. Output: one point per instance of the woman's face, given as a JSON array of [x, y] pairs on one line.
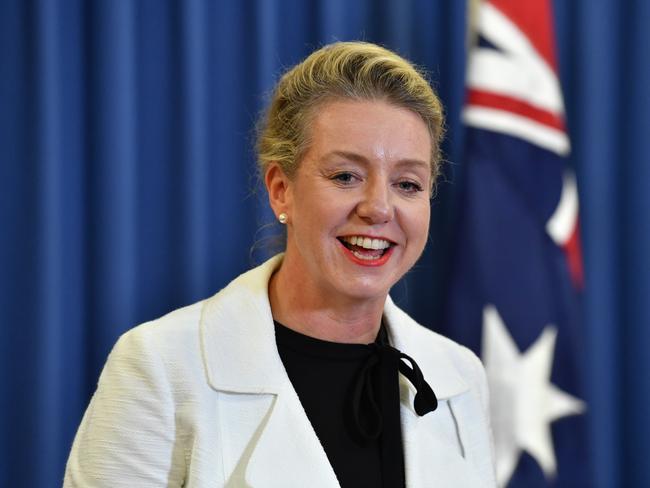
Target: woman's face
[[358, 204]]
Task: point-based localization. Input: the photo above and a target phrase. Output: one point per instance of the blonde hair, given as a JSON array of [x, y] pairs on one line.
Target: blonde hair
[[348, 70]]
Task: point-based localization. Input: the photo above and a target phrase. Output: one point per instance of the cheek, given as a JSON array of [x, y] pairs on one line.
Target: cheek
[[418, 224], [311, 225]]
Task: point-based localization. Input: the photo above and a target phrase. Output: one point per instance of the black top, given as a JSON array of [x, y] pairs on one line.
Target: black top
[[350, 393]]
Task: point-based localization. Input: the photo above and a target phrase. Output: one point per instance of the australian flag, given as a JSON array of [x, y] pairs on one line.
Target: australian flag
[[514, 295]]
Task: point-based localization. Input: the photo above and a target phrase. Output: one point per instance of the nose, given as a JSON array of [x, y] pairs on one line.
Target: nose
[[376, 206]]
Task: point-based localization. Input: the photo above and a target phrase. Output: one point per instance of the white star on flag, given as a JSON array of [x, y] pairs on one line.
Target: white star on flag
[[523, 401]]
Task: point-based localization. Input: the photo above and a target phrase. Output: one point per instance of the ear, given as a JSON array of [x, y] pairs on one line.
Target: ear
[[278, 187]]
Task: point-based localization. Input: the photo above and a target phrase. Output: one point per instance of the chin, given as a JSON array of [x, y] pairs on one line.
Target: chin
[[364, 288]]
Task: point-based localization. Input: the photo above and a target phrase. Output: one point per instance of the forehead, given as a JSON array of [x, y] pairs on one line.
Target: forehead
[[373, 129]]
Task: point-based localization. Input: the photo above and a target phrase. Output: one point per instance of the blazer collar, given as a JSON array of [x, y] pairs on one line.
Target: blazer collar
[[238, 337], [240, 353]]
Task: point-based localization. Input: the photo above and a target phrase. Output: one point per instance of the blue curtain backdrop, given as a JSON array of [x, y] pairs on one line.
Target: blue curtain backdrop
[[127, 187]]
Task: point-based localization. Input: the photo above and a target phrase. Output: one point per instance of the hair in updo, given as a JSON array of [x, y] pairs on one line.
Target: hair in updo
[[343, 70]]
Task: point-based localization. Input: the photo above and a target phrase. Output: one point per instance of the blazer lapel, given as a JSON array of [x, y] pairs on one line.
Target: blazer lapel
[[434, 451], [268, 439], [288, 452]]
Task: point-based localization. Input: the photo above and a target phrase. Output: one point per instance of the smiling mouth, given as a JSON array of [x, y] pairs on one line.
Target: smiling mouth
[[366, 248]]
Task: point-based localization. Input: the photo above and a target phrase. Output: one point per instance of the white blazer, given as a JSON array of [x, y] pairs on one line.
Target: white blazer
[[200, 398]]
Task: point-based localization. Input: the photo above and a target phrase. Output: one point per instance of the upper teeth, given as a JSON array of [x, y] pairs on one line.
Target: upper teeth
[[367, 242]]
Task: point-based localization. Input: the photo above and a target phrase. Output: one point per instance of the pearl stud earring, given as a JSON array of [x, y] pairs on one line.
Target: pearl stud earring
[[283, 218]]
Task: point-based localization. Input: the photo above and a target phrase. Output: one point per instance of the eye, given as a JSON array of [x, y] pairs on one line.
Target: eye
[[344, 178], [408, 186]]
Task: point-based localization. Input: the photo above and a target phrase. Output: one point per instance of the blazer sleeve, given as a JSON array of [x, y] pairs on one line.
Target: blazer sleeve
[[128, 436]]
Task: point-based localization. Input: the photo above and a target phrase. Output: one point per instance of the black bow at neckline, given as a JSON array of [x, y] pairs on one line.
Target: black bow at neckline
[[375, 403]]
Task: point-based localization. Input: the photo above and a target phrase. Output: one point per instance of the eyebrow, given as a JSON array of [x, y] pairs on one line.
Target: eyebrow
[[361, 159]]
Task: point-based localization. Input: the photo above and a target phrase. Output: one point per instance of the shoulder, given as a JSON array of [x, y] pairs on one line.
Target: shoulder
[[127, 433], [148, 358], [181, 343], [173, 330], [243, 290], [154, 392]]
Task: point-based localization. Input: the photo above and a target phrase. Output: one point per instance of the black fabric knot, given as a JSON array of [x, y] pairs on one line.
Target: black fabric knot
[[375, 404], [375, 392], [425, 400]]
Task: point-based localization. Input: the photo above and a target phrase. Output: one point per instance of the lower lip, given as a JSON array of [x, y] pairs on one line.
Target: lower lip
[[370, 262]]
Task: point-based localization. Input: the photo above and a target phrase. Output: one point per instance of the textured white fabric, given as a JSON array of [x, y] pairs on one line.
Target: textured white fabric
[[200, 398]]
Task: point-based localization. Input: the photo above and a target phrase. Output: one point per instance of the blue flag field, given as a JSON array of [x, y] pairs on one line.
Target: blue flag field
[[517, 277]]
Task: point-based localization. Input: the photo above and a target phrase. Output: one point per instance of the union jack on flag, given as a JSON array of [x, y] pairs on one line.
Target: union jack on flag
[[514, 293]]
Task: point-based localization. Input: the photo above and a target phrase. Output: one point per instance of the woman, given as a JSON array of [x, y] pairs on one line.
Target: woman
[[296, 374]]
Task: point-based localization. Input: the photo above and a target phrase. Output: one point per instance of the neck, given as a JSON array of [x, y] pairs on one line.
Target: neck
[[300, 305]]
